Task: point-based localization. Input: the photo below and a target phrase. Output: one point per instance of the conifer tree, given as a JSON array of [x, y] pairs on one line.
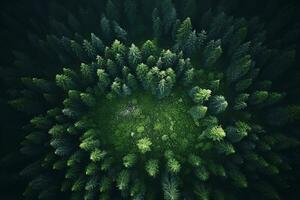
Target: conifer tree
[[212, 53], [198, 112], [169, 15], [152, 167], [97, 43], [105, 28], [217, 104], [148, 49], [170, 188], [65, 82], [119, 31], [134, 56], [199, 95], [239, 68], [156, 24], [184, 31]]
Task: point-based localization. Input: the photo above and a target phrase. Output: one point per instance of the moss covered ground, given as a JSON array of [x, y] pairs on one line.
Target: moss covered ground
[[166, 122]]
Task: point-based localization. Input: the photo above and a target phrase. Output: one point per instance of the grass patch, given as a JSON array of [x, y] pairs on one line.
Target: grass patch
[[123, 121]]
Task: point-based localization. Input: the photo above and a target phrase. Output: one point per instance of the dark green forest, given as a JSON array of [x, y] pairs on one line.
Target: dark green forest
[[150, 99]]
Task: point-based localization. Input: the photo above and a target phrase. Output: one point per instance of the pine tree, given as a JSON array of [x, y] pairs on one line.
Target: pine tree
[[156, 24], [88, 72], [120, 32], [103, 78], [189, 76], [173, 165], [237, 133], [225, 148], [88, 99], [142, 71], [274, 98], [243, 84], [191, 44], [198, 112], [129, 160], [199, 95], [89, 48], [111, 67], [184, 31], [217, 104], [212, 53], [38, 84], [126, 90], [151, 61], [152, 167], [91, 169], [134, 56], [131, 81], [239, 68], [201, 39], [240, 101], [105, 28], [76, 49], [97, 43], [97, 155], [237, 39], [168, 58], [238, 178], [123, 180], [148, 49], [174, 29], [217, 25], [65, 82], [116, 87], [162, 88], [170, 188], [258, 97], [117, 48], [215, 133], [144, 145], [89, 144], [169, 15]]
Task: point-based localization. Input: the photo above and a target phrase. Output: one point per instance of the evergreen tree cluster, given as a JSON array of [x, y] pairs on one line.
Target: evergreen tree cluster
[[99, 54]]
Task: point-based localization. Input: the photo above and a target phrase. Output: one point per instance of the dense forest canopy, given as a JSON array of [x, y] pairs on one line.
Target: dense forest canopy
[[163, 99]]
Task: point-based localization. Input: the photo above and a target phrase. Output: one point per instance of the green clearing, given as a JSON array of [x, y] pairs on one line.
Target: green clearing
[[123, 121]]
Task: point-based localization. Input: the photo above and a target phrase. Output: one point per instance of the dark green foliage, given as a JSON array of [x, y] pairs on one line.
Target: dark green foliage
[[170, 188], [187, 40], [212, 53], [191, 108], [120, 32], [184, 31], [148, 49], [105, 28], [156, 24], [134, 56], [239, 68], [97, 43], [199, 95], [198, 112], [217, 104], [111, 10]]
